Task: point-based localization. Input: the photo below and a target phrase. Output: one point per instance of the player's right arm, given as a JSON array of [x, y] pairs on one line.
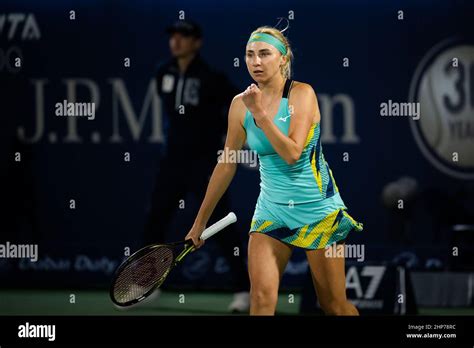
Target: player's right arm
[[223, 172]]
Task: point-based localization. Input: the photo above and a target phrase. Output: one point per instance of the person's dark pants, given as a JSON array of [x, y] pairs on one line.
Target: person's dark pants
[[177, 177]]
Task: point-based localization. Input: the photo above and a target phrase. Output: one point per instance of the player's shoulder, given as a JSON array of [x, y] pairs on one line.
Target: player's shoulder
[[237, 108], [238, 102], [302, 89]]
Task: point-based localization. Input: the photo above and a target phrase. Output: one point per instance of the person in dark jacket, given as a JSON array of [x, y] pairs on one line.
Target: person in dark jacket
[[194, 100]]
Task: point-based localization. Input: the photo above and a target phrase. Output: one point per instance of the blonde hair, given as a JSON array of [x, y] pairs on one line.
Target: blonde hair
[[286, 68]]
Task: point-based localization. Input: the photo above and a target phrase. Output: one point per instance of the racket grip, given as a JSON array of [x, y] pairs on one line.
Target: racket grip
[[218, 226]]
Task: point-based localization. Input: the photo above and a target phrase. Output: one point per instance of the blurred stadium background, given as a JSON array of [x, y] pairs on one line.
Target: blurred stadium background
[[356, 55]]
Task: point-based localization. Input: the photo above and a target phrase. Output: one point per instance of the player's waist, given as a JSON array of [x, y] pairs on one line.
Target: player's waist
[[290, 195], [332, 202], [296, 194], [287, 189]]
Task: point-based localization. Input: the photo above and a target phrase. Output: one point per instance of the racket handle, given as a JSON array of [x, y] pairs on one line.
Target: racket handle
[[218, 226]]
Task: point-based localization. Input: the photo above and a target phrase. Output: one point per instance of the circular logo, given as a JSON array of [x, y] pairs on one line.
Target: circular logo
[[443, 85]]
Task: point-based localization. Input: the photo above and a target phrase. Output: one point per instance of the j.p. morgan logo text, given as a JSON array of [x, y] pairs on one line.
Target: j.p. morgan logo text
[[37, 331], [137, 117]]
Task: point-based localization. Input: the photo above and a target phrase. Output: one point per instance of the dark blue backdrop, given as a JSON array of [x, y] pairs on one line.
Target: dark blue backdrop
[[87, 54]]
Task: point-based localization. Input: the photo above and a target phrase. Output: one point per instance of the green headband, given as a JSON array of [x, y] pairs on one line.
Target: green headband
[[269, 39]]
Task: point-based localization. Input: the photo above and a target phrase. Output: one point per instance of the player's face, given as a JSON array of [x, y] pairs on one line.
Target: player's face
[[263, 61], [183, 46]]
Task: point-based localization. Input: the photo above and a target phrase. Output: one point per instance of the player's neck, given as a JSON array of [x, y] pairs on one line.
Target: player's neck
[[273, 86]]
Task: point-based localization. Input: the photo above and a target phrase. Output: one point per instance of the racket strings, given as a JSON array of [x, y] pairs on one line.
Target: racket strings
[[141, 275]]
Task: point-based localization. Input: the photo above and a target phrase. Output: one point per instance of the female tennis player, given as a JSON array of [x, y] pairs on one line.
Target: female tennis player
[[299, 203]]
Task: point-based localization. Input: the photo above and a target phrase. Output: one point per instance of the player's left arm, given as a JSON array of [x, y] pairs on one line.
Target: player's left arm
[[303, 106]]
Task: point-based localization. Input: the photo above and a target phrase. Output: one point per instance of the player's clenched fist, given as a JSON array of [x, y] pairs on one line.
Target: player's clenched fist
[[252, 98]]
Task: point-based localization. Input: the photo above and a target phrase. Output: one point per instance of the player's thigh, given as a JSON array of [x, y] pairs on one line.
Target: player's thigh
[[268, 258], [328, 275]]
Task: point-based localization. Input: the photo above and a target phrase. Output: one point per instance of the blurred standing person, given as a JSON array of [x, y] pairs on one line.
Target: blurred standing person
[[194, 101]]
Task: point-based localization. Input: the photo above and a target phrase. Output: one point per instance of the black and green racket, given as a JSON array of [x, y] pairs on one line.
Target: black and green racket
[[144, 271]]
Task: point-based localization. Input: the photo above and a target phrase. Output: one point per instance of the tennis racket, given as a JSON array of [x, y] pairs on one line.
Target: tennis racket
[[146, 270]]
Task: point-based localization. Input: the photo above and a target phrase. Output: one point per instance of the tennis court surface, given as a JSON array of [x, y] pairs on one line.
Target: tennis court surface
[[60, 302]]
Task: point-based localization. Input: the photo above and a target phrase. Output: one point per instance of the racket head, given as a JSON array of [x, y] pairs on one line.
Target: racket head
[[143, 272]]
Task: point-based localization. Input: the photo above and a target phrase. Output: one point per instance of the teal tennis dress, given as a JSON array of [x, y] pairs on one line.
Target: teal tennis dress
[[299, 204]]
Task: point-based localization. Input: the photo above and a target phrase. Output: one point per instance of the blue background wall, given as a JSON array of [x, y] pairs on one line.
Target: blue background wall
[[112, 196]]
